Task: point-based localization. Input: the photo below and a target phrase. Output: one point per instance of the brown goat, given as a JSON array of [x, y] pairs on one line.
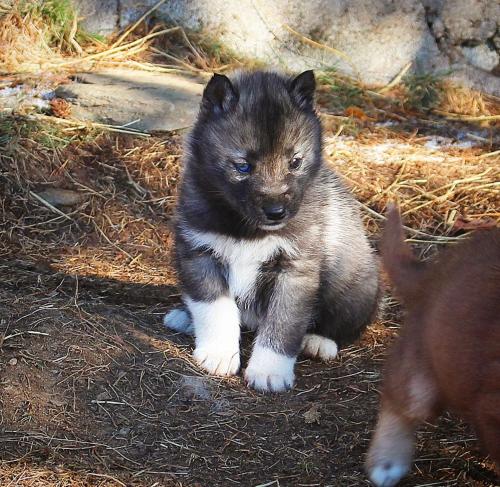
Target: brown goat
[[448, 354]]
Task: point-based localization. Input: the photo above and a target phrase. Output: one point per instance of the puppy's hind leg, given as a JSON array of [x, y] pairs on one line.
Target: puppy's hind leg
[[347, 304], [319, 347], [179, 320]]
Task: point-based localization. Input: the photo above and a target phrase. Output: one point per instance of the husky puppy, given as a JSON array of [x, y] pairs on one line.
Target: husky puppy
[[267, 236]]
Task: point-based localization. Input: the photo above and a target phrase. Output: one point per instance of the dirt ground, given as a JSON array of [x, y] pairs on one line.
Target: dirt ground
[[95, 391]]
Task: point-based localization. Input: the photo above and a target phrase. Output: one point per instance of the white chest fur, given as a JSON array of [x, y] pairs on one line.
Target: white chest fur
[[242, 257]]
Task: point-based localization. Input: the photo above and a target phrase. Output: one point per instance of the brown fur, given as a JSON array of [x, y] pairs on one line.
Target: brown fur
[[448, 354]]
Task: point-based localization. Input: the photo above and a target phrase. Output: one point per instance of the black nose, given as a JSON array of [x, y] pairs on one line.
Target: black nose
[[274, 212]]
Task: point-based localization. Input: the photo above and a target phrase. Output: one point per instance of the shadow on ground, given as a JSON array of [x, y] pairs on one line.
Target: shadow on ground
[[95, 391]]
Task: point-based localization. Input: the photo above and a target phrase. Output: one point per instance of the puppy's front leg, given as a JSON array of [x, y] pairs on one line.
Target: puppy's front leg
[[217, 334], [215, 315], [285, 316]]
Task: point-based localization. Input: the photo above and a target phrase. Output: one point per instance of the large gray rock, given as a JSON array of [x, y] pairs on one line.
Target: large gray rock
[[372, 40], [377, 38], [147, 101]]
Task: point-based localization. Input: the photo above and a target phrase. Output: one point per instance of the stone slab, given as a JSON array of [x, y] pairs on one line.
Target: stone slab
[[147, 101]]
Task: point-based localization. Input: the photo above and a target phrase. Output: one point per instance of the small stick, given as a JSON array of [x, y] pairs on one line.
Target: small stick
[[312, 43], [29, 332], [468, 118], [396, 80], [106, 476], [176, 59], [80, 125], [111, 243], [115, 403], [489, 154], [72, 34]]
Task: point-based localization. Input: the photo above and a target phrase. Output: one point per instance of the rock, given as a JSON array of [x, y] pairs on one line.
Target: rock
[[125, 431], [23, 96], [377, 38], [13, 361], [438, 28], [312, 415], [477, 79], [146, 101], [193, 387], [481, 56], [103, 396], [61, 197], [370, 40], [98, 16], [58, 401], [470, 20], [496, 41], [222, 407]]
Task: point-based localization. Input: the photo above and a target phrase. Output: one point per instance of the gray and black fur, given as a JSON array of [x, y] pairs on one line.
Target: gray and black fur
[[329, 284]]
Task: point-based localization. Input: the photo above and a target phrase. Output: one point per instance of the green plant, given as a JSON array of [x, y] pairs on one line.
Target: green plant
[[59, 21], [215, 53], [341, 92], [6, 130], [423, 91], [14, 130]]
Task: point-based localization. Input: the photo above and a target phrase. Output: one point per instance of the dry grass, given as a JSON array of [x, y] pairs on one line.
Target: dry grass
[[434, 188], [465, 101], [31, 41], [23, 44], [101, 394]]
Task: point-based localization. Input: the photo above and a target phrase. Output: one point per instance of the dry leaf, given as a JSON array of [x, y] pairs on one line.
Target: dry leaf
[[60, 108], [312, 415], [356, 112]]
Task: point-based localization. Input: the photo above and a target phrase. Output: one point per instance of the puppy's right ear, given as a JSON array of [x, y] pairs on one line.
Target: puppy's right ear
[[302, 89], [219, 95]]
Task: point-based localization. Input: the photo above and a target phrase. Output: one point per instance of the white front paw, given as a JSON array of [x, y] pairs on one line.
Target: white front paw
[[217, 361], [269, 382], [269, 371]]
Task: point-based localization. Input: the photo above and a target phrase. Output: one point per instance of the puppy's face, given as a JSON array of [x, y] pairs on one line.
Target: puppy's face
[[259, 142]]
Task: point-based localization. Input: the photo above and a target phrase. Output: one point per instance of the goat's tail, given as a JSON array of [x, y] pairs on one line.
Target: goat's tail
[[404, 269]]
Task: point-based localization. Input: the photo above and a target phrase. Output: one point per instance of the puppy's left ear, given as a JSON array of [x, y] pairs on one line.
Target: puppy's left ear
[[302, 89]]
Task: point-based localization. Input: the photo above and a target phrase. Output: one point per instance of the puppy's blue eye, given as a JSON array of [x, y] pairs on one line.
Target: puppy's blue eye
[[243, 167]]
